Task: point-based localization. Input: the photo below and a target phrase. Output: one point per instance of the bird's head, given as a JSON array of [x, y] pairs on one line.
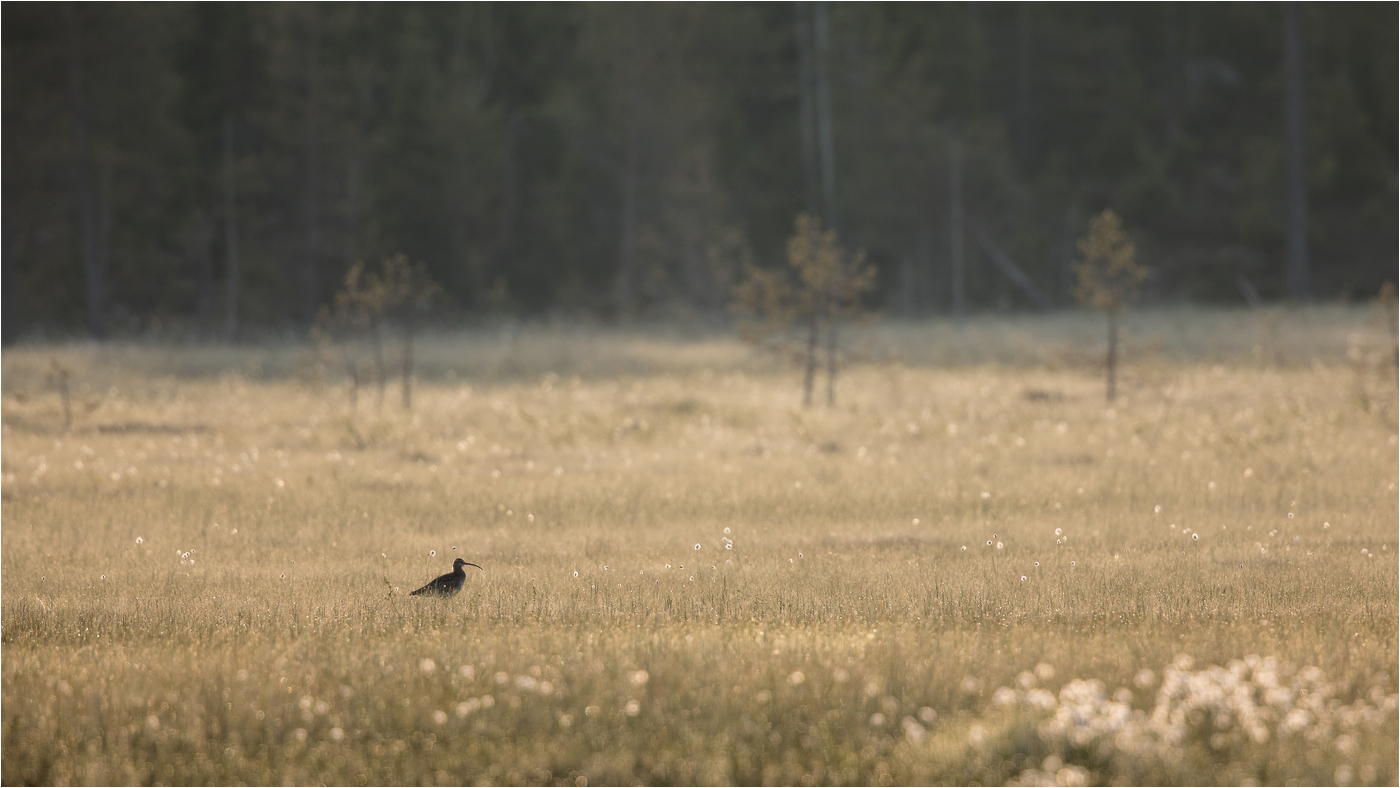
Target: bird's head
[[459, 563]]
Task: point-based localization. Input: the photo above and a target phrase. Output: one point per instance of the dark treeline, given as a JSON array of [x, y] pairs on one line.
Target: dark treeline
[[219, 167]]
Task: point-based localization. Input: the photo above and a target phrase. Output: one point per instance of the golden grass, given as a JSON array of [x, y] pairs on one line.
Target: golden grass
[[205, 582]]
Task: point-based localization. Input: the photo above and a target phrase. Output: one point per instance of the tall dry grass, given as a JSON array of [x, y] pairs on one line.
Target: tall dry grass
[[689, 578]]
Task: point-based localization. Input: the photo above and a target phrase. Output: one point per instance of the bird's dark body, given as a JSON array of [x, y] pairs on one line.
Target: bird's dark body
[[449, 584]]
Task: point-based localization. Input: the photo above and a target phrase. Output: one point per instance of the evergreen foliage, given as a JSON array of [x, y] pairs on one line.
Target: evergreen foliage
[[218, 168], [399, 293], [823, 288], [1109, 278]]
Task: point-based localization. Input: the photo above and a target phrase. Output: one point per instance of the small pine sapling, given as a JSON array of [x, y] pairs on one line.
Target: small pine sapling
[[822, 287], [358, 311], [838, 281], [365, 302], [1109, 278], [409, 292], [1390, 309]]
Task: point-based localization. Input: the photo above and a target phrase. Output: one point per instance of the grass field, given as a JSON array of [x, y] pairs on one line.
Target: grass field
[[971, 570]]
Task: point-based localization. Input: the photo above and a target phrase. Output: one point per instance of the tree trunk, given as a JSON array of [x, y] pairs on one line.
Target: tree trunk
[[354, 187], [357, 143], [806, 111], [408, 359], [308, 276], [1171, 83], [1111, 362], [490, 57], [925, 284], [809, 378], [955, 228], [1067, 256], [826, 139], [626, 285], [9, 282], [1024, 139], [377, 342], [1393, 312], [230, 238], [1295, 157], [352, 370], [906, 286], [510, 200], [1391, 307], [61, 376], [103, 252], [94, 269], [203, 249], [831, 347]]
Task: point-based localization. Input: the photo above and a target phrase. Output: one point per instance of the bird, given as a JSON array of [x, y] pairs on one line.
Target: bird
[[449, 584]]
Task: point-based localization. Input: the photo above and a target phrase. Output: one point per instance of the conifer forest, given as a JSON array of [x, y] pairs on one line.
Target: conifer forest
[[215, 169]]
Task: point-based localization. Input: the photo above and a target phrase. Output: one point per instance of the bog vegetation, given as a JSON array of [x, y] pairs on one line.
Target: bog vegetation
[[969, 570]]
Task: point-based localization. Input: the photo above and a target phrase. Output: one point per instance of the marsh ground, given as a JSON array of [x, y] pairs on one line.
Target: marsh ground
[[971, 569]]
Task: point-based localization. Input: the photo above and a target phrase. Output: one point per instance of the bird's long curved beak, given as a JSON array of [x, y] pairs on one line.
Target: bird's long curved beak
[[469, 563]]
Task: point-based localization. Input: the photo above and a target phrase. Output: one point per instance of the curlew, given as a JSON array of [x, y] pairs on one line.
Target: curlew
[[448, 584]]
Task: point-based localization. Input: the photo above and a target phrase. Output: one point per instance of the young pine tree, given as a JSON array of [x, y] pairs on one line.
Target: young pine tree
[[1390, 308], [399, 292], [1109, 278], [409, 292], [822, 287]]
